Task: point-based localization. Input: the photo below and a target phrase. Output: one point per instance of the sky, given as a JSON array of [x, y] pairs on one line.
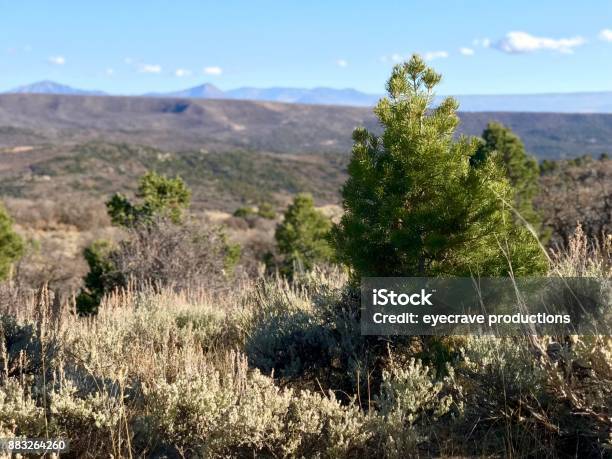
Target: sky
[[135, 47]]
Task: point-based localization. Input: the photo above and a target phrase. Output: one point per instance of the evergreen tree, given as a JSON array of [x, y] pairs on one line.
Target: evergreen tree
[[413, 204], [11, 245], [302, 236], [102, 276], [521, 168], [160, 196]]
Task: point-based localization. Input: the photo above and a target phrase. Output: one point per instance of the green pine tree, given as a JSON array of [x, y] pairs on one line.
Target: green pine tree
[[521, 168], [159, 196], [11, 245], [101, 278], [302, 236], [413, 204]]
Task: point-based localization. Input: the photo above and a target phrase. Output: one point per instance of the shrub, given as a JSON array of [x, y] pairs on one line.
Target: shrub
[[570, 194], [154, 375], [91, 422], [103, 276], [285, 335], [411, 400], [308, 333], [227, 412], [11, 245], [159, 196], [19, 413], [302, 236], [166, 254], [583, 258], [84, 213], [266, 210], [161, 248], [507, 405], [22, 338], [244, 212], [414, 206], [159, 253]]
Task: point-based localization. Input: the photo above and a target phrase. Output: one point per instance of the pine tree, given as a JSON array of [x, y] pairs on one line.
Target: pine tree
[[101, 278], [413, 204], [11, 245], [302, 236], [160, 196], [521, 168]]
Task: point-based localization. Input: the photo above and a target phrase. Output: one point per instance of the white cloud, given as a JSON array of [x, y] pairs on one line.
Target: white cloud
[[483, 42], [523, 42], [57, 60], [128, 60], [466, 51], [606, 35], [109, 71], [395, 58], [150, 68], [213, 70], [182, 73], [341, 63], [432, 55]]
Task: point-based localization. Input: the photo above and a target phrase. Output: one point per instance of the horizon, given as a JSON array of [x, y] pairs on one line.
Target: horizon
[[209, 83], [131, 49]]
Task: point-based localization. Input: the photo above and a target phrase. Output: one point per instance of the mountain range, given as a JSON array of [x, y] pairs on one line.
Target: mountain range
[[578, 102], [51, 87]]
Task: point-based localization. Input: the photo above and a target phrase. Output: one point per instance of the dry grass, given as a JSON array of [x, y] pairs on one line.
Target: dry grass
[[160, 373]]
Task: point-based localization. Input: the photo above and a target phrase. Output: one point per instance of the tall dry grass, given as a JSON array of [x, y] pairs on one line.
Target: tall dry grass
[[270, 368]]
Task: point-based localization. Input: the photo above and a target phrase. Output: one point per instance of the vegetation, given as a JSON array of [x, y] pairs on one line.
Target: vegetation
[[244, 212], [11, 245], [102, 277], [576, 191], [166, 373], [161, 197], [190, 356], [414, 206], [85, 174], [302, 237], [521, 169], [264, 210], [160, 248], [222, 180]]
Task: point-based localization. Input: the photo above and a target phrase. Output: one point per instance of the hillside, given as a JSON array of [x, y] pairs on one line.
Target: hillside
[[220, 180], [218, 125], [574, 102]]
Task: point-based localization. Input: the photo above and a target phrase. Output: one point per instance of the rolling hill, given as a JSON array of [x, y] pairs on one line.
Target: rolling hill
[[577, 102], [218, 125]]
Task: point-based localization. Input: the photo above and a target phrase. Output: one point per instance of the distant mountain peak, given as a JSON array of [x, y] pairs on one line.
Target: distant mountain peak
[[52, 87], [203, 91]]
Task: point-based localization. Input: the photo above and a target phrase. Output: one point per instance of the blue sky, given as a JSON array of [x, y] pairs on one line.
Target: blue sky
[[481, 47]]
